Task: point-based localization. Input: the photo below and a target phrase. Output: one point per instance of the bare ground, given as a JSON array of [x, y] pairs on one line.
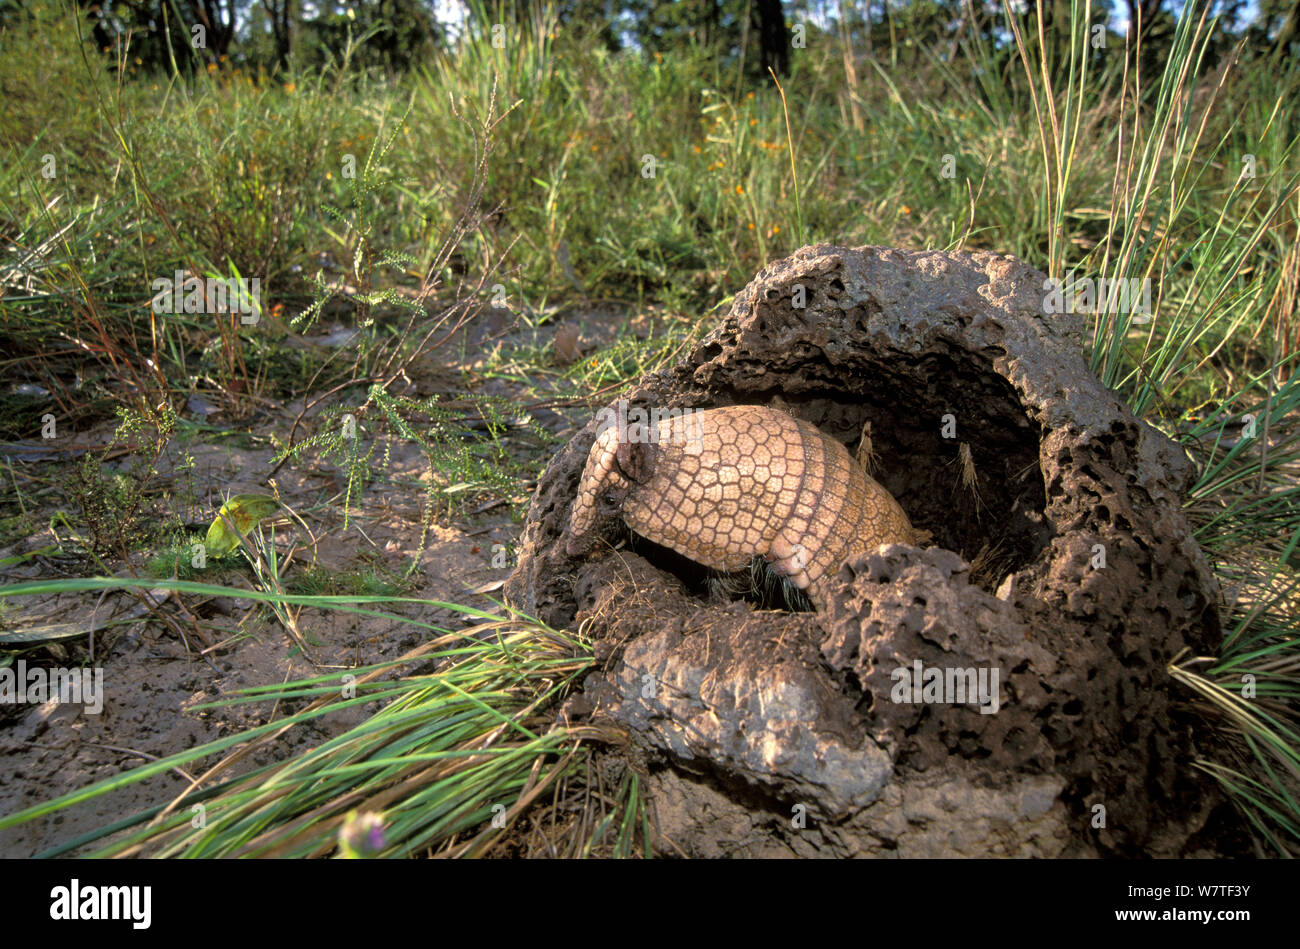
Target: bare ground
[[154, 678]]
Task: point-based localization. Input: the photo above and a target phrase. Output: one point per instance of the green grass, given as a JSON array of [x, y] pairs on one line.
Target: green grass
[[317, 581], [436, 760], [525, 171]]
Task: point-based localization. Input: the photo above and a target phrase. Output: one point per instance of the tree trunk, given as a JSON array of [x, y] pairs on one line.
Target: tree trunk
[[774, 42]]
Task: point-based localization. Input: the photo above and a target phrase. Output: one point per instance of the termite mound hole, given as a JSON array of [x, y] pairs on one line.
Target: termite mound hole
[[948, 438], [952, 442]]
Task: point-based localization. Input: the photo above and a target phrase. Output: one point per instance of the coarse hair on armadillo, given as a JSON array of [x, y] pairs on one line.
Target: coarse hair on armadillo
[[761, 584]]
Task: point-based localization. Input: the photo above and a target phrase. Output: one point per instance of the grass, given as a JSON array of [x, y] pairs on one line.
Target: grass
[[443, 751], [550, 173]]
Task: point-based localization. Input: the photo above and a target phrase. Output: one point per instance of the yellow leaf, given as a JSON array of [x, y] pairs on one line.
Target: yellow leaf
[[244, 511]]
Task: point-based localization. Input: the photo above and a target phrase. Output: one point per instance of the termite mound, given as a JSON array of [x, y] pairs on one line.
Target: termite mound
[[1060, 558]]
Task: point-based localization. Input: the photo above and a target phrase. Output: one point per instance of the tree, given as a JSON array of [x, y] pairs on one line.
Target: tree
[[773, 38], [217, 17], [280, 13], [1142, 16]]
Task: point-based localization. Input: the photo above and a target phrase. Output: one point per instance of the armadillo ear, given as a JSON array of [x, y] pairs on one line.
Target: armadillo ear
[[636, 456]]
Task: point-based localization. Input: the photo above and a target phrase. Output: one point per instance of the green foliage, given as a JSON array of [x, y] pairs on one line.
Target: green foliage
[[364, 188], [39, 53], [113, 501], [175, 558], [373, 581]]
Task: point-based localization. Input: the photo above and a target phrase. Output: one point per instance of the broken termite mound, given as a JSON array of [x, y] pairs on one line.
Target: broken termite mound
[[1061, 563]]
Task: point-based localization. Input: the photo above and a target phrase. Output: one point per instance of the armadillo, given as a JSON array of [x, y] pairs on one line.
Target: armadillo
[[722, 486]]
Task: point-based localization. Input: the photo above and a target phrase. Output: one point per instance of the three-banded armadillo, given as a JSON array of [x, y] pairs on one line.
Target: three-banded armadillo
[[722, 486]]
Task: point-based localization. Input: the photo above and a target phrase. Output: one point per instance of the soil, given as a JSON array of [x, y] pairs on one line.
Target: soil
[[153, 679]]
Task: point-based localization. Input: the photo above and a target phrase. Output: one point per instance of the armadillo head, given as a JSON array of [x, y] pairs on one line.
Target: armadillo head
[[614, 467]]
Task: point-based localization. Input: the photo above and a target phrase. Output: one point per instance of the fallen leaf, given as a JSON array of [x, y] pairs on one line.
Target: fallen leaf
[[243, 510], [567, 345]]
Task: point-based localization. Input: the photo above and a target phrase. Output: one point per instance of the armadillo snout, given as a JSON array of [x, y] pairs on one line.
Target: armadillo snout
[[607, 477]]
